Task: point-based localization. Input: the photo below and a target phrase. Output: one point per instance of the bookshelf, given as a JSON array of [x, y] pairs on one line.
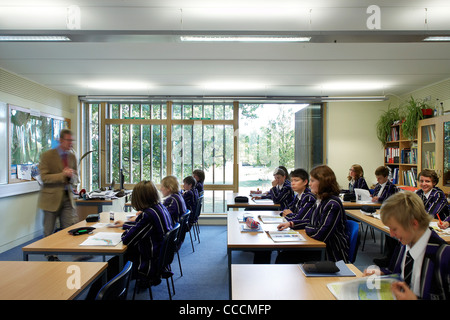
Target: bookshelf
[[434, 148], [401, 155]]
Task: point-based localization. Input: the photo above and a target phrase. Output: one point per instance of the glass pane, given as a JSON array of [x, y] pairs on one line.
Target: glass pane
[[187, 111], [208, 111], [145, 111], [198, 111], [136, 154], [115, 111], [219, 112], [176, 111], [228, 112], [135, 111], [187, 150], [267, 140], [428, 147]]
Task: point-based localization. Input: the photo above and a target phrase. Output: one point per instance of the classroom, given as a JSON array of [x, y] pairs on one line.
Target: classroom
[[156, 88]]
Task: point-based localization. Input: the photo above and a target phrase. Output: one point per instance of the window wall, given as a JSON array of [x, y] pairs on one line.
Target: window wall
[[237, 145], [151, 141]]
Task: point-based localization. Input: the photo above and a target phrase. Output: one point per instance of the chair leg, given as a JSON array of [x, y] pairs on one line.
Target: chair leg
[[197, 228], [192, 242], [179, 262], [168, 288], [364, 241], [150, 292]]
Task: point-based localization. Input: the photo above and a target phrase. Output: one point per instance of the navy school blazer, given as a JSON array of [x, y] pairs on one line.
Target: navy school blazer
[[175, 205], [328, 223], [283, 197], [360, 183], [435, 274], [302, 208], [436, 203], [388, 190]]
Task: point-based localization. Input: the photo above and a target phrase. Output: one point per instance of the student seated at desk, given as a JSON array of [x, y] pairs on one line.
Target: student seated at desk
[[356, 178], [190, 196], [384, 188], [328, 220], [281, 192], [174, 202], [199, 176], [142, 234], [427, 274], [433, 198], [301, 208]]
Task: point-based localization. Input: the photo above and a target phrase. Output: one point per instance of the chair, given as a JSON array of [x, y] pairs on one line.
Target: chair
[[184, 228], [353, 236], [195, 225], [166, 255], [117, 287]]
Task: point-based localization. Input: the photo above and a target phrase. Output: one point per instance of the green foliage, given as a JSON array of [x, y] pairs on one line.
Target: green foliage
[[385, 122], [413, 113]]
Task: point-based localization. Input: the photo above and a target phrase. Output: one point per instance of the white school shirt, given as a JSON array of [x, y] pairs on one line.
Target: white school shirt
[[381, 189], [417, 252]]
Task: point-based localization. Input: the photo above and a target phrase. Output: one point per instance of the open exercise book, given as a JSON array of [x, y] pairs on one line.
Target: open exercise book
[[366, 288], [286, 236], [103, 239], [271, 219]]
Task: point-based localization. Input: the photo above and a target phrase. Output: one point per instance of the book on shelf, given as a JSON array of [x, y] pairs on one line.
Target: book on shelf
[[391, 155], [428, 134], [408, 156], [394, 134], [410, 177], [429, 159]]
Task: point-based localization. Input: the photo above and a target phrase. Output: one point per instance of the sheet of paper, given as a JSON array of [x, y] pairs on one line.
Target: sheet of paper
[[103, 239], [363, 196]]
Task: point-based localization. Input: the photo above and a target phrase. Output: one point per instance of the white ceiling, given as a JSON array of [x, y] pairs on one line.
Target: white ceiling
[[133, 47]]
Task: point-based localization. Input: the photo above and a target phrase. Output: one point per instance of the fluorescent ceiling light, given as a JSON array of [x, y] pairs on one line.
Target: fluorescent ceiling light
[[34, 38], [118, 85], [437, 38], [233, 86], [353, 86], [348, 99], [244, 39]]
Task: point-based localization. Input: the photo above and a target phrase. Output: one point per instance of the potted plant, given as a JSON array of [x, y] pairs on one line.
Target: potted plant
[[414, 111], [384, 123]]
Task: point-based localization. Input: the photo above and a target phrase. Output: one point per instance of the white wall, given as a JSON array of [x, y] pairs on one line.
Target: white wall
[[351, 138], [20, 217]]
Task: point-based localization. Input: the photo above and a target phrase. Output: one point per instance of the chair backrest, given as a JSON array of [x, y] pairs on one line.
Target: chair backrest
[[117, 287], [184, 226], [352, 232], [169, 247], [198, 208]]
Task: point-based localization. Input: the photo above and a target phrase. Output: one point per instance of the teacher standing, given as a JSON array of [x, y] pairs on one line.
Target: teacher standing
[[58, 170]]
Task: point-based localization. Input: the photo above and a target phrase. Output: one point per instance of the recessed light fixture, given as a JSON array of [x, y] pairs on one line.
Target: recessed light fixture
[[437, 38], [244, 39], [34, 38]]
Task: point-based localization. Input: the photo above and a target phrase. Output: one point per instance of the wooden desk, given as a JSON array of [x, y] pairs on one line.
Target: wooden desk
[[380, 226], [242, 241], [280, 282], [265, 204], [63, 243], [87, 207], [357, 205], [43, 280]]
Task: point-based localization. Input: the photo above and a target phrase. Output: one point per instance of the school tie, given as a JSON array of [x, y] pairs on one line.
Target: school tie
[[409, 261]]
